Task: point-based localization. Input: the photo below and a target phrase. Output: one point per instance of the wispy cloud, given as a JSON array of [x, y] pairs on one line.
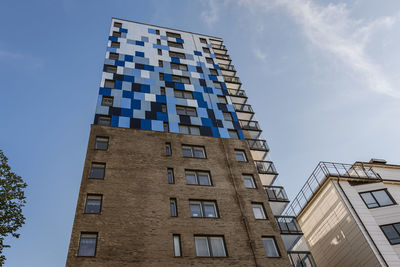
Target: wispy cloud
[[210, 14], [332, 29], [259, 54]]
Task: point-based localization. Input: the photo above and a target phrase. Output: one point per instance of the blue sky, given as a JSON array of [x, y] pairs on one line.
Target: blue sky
[[322, 77]]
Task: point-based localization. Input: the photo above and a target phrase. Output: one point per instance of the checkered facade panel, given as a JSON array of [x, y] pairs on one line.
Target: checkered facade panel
[[148, 74]]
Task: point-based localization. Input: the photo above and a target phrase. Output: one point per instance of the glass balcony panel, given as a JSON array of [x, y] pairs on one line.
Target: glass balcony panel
[[301, 259], [232, 79], [258, 144], [243, 108], [276, 193], [266, 167], [288, 225], [227, 67]]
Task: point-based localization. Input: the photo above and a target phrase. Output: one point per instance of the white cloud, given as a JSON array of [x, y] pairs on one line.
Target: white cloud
[[210, 14], [332, 29], [259, 54]]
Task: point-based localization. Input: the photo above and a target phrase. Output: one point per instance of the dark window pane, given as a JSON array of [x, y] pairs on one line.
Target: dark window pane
[[93, 204], [382, 197], [391, 234], [171, 176], [87, 245], [101, 143], [97, 171], [191, 178], [195, 210], [204, 179], [187, 151], [173, 208], [198, 152], [209, 210], [217, 246]]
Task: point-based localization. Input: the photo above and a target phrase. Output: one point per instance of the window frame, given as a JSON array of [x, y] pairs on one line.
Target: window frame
[[185, 109], [376, 201], [202, 203], [192, 150], [262, 208], [209, 247], [180, 79], [113, 56], [197, 172], [176, 55], [174, 44], [95, 246], [91, 168], [173, 35], [177, 66], [233, 134], [208, 59], [243, 153], [115, 44], [206, 50], [174, 209], [190, 129], [172, 176], [107, 83], [116, 34], [203, 40], [183, 92], [107, 97], [179, 245], [96, 142], [275, 245], [110, 68], [396, 230], [244, 175], [168, 149], [117, 24], [220, 97], [104, 117], [213, 72], [86, 202]]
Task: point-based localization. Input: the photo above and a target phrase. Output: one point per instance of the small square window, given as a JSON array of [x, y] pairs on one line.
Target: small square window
[[198, 178], [171, 179], [109, 84], [227, 116], [392, 232], [164, 108], [114, 56], [217, 85], [107, 101], [161, 76], [115, 44], [162, 90], [110, 68], [166, 127], [158, 41], [183, 94], [210, 246], [97, 170], [240, 156], [160, 63], [158, 32], [93, 203], [101, 143], [270, 247], [175, 44], [193, 152], [173, 35], [203, 209], [177, 55], [159, 51], [206, 50], [258, 210], [116, 34], [87, 244], [185, 129], [104, 121], [233, 134], [209, 60], [172, 204], [117, 24], [249, 181], [177, 66], [203, 41], [177, 245], [183, 110], [213, 72], [168, 150], [222, 99]]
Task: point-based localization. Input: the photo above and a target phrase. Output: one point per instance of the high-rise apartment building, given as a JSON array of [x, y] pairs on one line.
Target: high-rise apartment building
[[350, 213], [176, 172]]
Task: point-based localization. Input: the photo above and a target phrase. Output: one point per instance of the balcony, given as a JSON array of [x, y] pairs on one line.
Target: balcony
[[288, 225], [232, 83], [223, 59], [227, 67], [243, 111], [301, 259], [258, 148], [251, 129], [278, 199], [232, 80], [266, 171], [238, 93], [218, 46], [237, 96], [215, 42]]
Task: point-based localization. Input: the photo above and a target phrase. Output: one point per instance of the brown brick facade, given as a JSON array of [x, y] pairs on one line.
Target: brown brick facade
[[135, 227]]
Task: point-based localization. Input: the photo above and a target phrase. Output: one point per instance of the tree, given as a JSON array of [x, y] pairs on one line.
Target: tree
[[12, 199]]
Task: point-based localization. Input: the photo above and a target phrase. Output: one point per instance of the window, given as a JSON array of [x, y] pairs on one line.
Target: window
[[217, 85], [117, 24], [87, 245], [177, 54], [160, 63], [198, 178], [227, 116], [97, 170], [194, 152], [101, 143], [185, 129], [213, 72], [172, 205], [378, 198], [222, 99], [233, 134], [166, 127], [107, 101], [183, 94], [203, 41], [258, 210], [111, 69], [158, 41], [177, 66], [240, 155], [206, 50], [180, 79], [116, 34], [203, 209], [109, 84], [189, 111], [177, 245], [161, 76], [164, 108], [114, 56], [168, 150], [249, 181], [159, 52], [210, 246], [209, 60], [392, 232], [270, 247], [174, 44], [162, 90], [173, 35], [171, 179], [93, 203], [104, 120], [158, 32], [115, 44]]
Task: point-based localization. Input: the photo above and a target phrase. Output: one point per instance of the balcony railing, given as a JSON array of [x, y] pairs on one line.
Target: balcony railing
[[276, 193], [227, 67], [243, 108], [218, 46], [230, 79], [249, 125], [265, 167], [323, 171], [239, 93], [224, 57], [301, 259], [258, 144], [288, 225]]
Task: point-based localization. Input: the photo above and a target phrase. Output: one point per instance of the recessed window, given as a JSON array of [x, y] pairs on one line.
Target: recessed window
[[177, 245], [180, 79], [168, 149], [115, 44], [203, 41], [233, 134], [270, 247], [162, 90], [392, 232], [109, 84], [177, 66], [206, 50], [107, 101], [175, 44], [159, 52], [158, 32], [258, 210], [240, 155], [377, 198], [101, 143], [210, 246], [110, 68], [171, 179], [217, 85], [194, 152], [164, 108], [177, 55], [158, 41], [93, 203], [114, 56], [104, 120], [97, 170], [203, 209], [249, 181], [227, 116], [209, 60], [160, 63], [189, 111], [198, 178], [172, 205], [166, 127], [183, 94], [161, 76], [222, 99], [173, 35], [188, 129], [87, 245], [213, 72], [117, 24], [116, 34]]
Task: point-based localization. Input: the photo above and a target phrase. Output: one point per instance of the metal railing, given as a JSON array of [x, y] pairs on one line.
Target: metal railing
[[265, 167], [301, 259], [276, 193], [227, 67], [323, 171], [249, 125], [232, 79], [243, 108], [217, 46], [288, 225], [239, 93], [258, 144], [224, 57]]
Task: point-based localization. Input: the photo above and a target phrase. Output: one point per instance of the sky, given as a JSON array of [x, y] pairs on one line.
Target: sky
[[322, 77]]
